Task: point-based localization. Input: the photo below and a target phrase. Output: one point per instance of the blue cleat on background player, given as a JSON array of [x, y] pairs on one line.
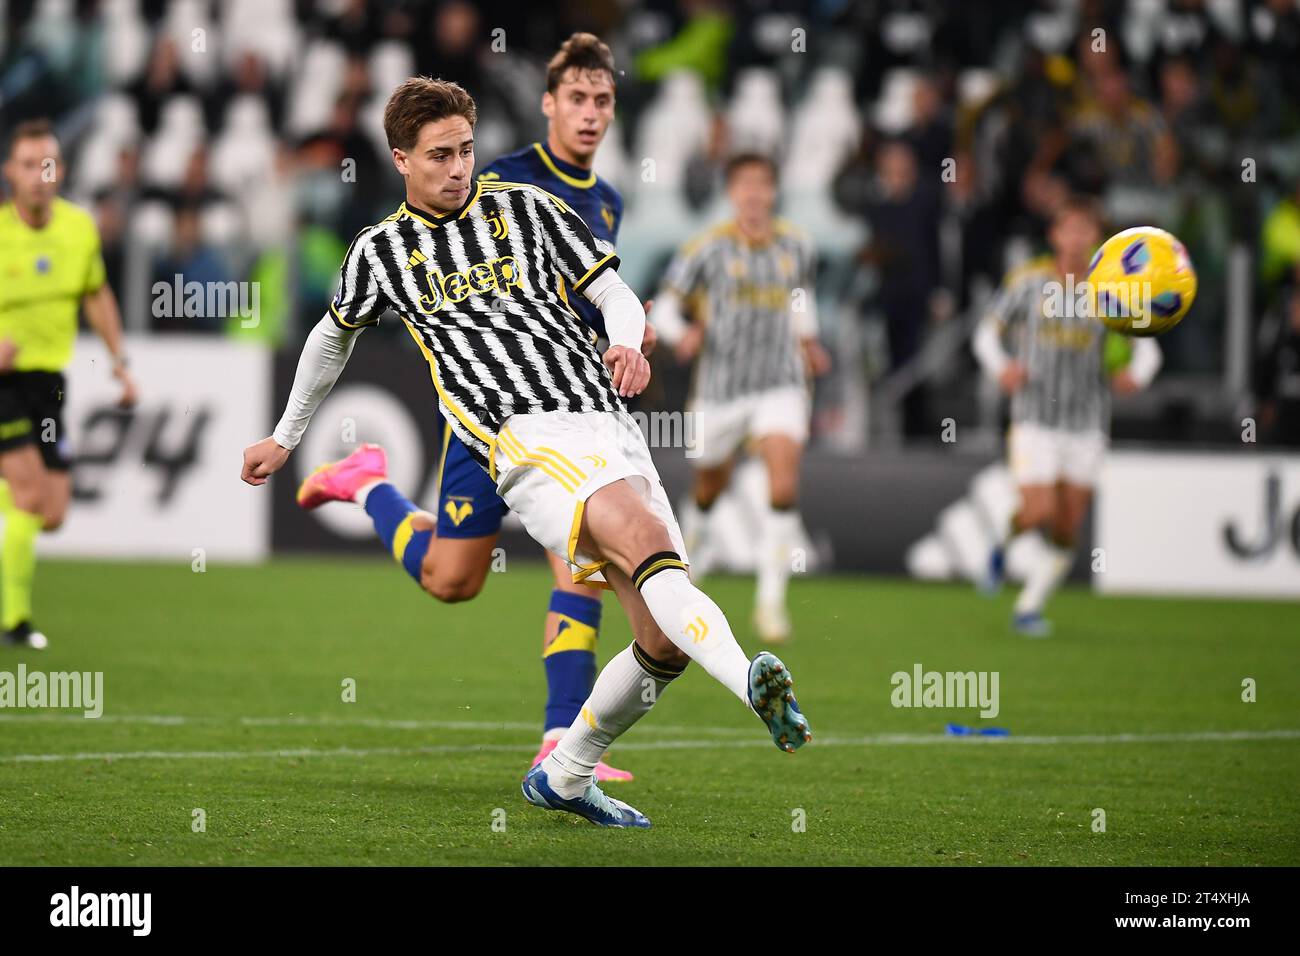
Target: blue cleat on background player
[[773, 700], [995, 573], [593, 805], [1032, 624]]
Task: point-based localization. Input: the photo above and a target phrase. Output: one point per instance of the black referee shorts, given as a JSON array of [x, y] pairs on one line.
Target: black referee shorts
[[31, 411]]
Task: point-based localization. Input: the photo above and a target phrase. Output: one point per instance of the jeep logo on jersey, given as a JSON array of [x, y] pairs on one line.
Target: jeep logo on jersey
[[498, 276]]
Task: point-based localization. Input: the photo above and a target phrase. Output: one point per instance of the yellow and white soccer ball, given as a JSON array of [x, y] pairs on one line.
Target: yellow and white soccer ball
[[1142, 281]]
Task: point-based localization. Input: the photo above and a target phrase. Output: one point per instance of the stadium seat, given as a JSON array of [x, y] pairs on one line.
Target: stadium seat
[[391, 62], [198, 50], [827, 128], [180, 130], [612, 161], [244, 152], [312, 92], [265, 27], [116, 125], [756, 116], [893, 111], [126, 41], [673, 129]]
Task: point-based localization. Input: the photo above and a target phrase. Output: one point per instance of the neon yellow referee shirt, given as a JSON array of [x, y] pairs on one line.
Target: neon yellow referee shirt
[[44, 273]]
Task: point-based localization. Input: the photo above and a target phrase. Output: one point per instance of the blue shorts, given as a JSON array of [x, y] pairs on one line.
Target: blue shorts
[[468, 503]]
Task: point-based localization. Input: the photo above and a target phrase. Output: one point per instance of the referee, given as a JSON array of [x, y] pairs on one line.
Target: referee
[[50, 263]]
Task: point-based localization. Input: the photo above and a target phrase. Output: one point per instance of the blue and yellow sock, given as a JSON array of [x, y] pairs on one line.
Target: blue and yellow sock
[[391, 511], [570, 660]]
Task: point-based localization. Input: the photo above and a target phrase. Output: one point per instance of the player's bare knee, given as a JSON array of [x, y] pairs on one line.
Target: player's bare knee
[[1064, 530], [29, 498], [783, 497], [709, 485], [706, 500], [1046, 518], [1037, 513], [452, 588]]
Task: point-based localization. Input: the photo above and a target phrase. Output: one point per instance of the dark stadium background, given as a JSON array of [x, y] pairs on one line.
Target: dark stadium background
[[921, 143]]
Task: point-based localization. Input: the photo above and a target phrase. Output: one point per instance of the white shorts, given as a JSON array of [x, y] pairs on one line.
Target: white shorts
[[548, 464], [722, 427], [1043, 456]]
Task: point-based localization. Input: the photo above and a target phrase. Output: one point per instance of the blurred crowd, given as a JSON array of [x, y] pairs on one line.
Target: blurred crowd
[[923, 143]]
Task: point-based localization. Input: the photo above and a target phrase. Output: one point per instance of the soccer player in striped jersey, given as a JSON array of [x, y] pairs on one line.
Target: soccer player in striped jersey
[[750, 284], [459, 538], [470, 268], [1046, 350], [50, 265]]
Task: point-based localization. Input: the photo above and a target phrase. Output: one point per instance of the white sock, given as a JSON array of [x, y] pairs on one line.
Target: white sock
[[624, 692], [780, 527], [364, 491], [690, 619], [1045, 577]]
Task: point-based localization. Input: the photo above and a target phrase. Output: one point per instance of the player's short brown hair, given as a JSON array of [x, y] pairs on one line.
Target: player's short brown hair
[[751, 158], [421, 100], [585, 52], [29, 129], [1083, 205]]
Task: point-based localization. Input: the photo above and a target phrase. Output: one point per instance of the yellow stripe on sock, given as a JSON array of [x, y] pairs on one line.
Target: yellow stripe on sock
[[402, 537], [576, 637], [653, 668], [658, 566]]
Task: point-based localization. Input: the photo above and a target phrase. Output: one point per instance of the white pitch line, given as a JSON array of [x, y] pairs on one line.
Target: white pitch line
[[379, 723], [872, 740]]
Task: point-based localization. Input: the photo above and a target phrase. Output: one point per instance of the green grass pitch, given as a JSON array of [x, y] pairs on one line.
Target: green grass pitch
[[223, 692]]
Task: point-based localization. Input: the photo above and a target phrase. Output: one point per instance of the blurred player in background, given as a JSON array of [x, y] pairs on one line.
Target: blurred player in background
[[749, 285], [453, 563], [50, 263], [1059, 364]]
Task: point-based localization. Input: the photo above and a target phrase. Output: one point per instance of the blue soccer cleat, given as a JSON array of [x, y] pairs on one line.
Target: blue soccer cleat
[[1032, 624], [995, 573], [773, 700], [593, 805]]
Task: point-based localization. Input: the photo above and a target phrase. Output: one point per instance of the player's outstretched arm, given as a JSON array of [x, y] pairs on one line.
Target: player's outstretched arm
[[103, 316], [324, 355]]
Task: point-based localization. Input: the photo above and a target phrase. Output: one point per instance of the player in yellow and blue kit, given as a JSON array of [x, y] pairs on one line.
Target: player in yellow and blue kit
[[453, 564]]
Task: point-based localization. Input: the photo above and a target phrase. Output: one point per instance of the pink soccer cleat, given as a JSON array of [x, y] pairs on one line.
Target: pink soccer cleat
[[340, 480], [604, 772], [607, 774]]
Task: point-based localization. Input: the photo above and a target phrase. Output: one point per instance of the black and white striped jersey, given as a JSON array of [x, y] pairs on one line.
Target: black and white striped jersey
[[746, 294], [1060, 346], [480, 291]]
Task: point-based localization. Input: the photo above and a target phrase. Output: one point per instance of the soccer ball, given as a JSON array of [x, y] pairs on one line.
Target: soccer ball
[[1142, 281]]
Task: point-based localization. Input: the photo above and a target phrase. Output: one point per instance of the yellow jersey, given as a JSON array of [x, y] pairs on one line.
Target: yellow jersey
[[44, 273]]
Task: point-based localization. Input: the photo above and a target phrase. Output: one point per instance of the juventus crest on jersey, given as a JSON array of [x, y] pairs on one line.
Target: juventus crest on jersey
[[479, 289]]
